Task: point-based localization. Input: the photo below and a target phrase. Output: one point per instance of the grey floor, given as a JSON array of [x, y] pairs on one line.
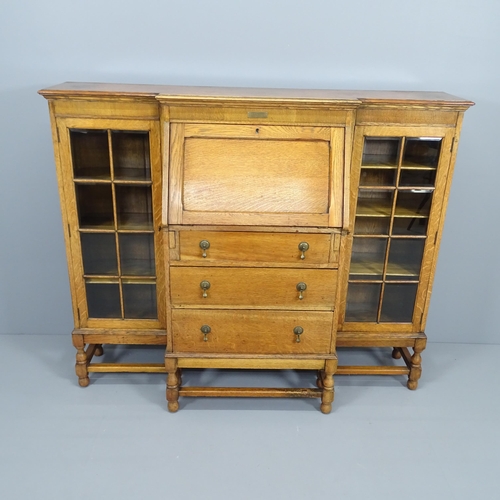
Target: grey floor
[[115, 439]]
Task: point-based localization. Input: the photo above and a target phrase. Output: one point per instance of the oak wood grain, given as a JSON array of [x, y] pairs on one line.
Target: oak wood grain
[[251, 332], [223, 175], [85, 89], [253, 287], [254, 247]]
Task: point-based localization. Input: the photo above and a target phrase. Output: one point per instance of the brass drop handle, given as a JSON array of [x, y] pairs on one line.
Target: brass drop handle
[[303, 247], [205, 329], [204, 245], [205, 285], [298, 331], [301, 287]]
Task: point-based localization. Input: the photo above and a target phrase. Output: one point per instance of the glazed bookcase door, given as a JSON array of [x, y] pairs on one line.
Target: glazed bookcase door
[[399, 179], [112, 191]]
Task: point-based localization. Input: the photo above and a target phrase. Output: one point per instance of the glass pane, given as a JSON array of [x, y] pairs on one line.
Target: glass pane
[[139, 300], [377, 177], [95, 205], [398, 303], [413, 203], [410, 226], [103, 299], [134, 207], [99, 253], [422, 152], [424, 178], [90, 153], [371, 225], [131, 155], [405, 259], [374, 203], [381, 151], [362, 302], [137, 254], [368, 256]]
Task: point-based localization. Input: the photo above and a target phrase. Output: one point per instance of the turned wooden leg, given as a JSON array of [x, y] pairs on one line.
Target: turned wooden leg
[[319, 379], [81, 361], [416, 365], [98, 350], [172, 385], [327, 382], [396, 353]]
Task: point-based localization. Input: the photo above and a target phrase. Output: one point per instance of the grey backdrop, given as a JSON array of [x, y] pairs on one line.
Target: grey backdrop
[[448, 45]]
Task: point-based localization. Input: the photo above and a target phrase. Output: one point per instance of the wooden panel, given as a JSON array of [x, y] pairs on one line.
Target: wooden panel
[[176, 174], [378, 339], [121, 336], [337, 167], [261, 132], [122, 324], [254, 219], [165, 148], [200, 114], [251, 332], [369, 327], [253, 287], [253, 363], [254, 247], [156, 177], [107, 109], [405, 116], [255, 229], [68, 212], [256, 176]]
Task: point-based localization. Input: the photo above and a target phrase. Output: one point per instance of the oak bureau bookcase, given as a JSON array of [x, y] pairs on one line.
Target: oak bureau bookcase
[[251, 228]]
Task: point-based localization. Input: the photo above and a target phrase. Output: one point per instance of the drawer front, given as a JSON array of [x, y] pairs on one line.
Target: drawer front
[[276, 248], [251, 332], [253, 287]]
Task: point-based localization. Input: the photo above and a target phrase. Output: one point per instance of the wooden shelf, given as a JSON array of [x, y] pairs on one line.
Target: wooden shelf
[[380, 166], [377, 208], [376, 268], [373, 208], [410, 165]]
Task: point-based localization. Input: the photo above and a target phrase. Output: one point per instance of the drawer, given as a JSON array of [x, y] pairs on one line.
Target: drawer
[[251, 332], [253, 287], [260, 247]]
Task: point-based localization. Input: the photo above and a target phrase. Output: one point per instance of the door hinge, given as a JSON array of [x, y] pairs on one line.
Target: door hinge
[[435, 238], [78, 313], [69, 230], [452, 145], [421, 318], [58, 138]]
